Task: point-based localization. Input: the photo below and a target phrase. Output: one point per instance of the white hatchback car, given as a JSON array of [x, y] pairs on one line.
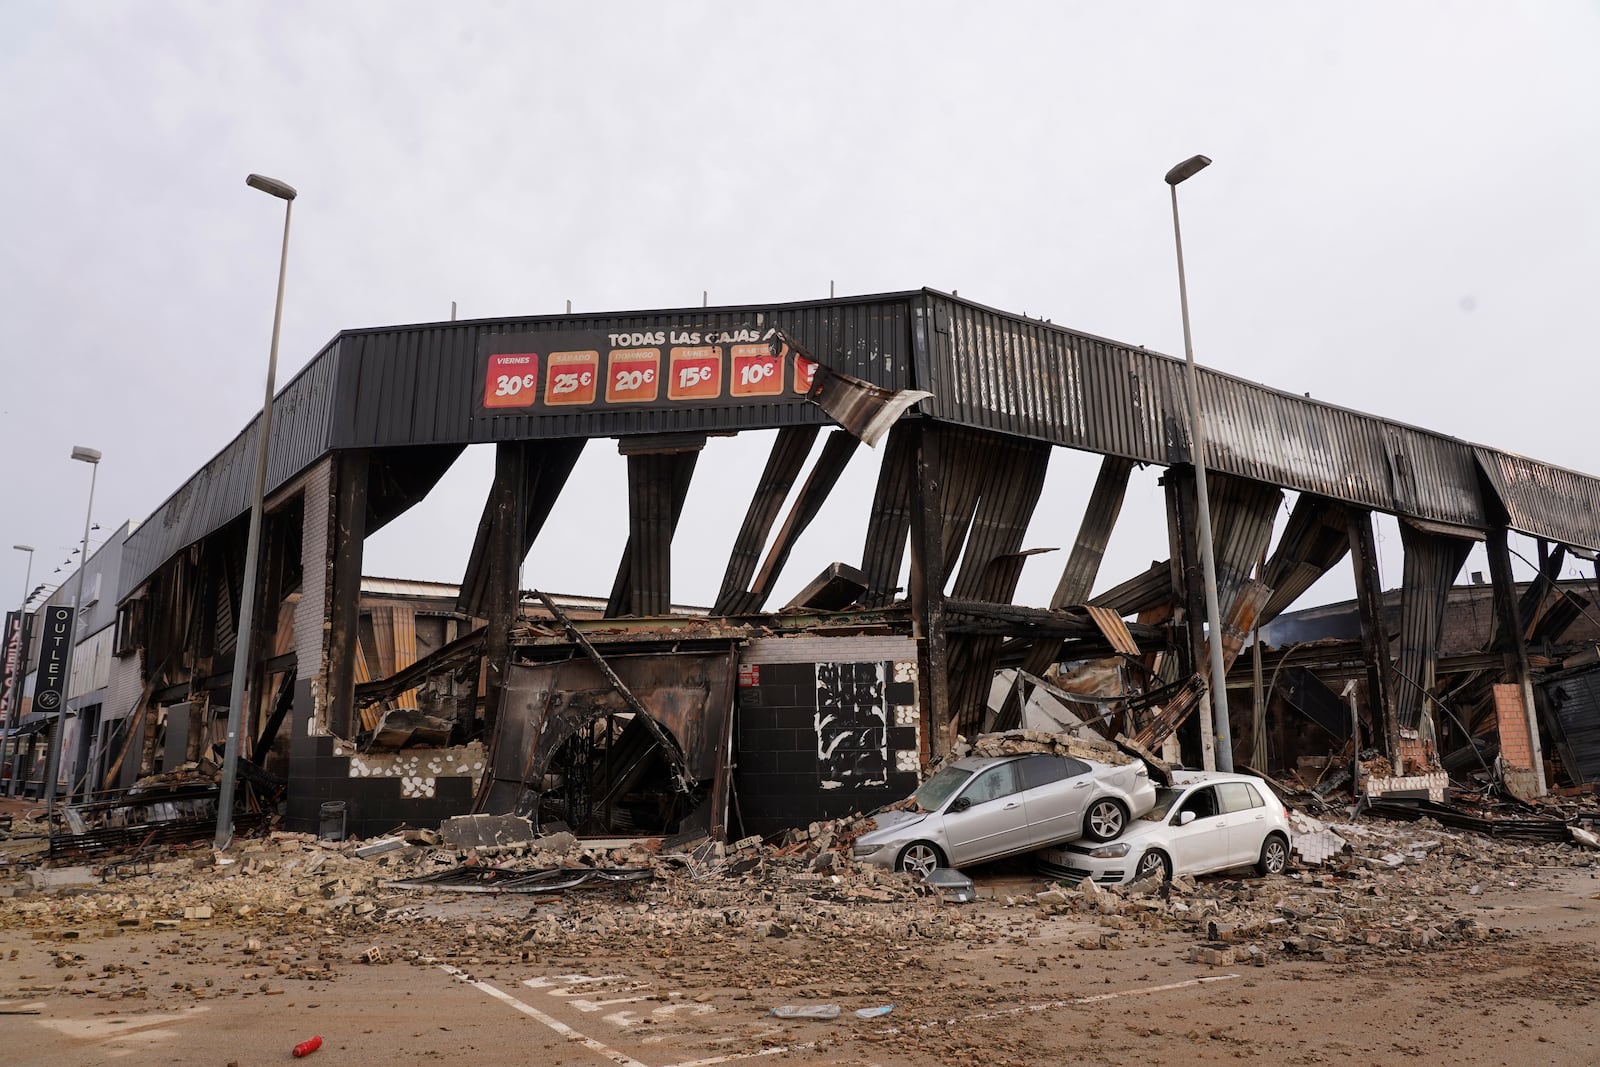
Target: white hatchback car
[[1205, 821]]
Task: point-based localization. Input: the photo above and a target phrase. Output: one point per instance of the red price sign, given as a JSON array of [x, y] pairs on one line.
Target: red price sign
[[756, 371], [804, 371], [633, 376], [572, 378], [696, 373], [512, 381]]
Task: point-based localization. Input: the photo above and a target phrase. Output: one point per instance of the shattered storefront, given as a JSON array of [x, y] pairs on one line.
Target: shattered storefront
[[628, 714]]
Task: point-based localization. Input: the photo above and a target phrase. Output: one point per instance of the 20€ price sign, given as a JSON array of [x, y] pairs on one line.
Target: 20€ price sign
[[571, 377], [756, 371], [633, 375], [696, 373], [512, 381]]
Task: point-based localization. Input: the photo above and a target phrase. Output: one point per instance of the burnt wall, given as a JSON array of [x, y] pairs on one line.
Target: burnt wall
[[822, 732]]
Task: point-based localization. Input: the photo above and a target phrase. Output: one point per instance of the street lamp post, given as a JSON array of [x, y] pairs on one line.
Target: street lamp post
[[1222, 737], [14, 702], [53, 764], [247, 601]]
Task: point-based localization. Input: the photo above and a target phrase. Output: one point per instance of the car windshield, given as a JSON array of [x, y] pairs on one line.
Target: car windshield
[[1165, 798], [938, 789]]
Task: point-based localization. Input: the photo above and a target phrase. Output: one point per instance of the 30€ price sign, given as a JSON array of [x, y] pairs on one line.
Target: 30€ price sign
[[804, 372], [696, 373], [756, 371], [633, 375], [571, 377], [512, 381]]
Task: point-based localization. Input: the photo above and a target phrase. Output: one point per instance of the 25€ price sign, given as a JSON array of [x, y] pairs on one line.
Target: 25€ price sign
[[571, 377], [633, 376], [512, 381], [696, 373], [756, 371]]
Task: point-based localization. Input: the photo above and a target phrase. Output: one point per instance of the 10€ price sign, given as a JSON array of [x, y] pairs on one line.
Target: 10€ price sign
[[572, 377], [633, 376], [512, 381], [696, 373], [756, 371]]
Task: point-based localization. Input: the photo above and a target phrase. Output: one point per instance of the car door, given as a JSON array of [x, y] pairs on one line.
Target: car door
[[1247, 821], [1054, 791], [994, 820], [1202, 845]]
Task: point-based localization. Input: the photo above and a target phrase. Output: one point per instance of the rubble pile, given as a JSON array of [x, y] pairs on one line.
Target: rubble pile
[[1386, 890], [1020, 742]]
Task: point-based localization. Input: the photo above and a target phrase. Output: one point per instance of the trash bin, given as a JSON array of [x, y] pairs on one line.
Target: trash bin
[[330, 826]]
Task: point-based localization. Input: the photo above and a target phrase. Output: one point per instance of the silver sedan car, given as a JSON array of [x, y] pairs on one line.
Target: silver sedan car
[[983, 808]]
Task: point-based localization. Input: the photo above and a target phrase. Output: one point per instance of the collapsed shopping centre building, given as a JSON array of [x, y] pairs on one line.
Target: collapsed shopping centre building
[[626, 715]]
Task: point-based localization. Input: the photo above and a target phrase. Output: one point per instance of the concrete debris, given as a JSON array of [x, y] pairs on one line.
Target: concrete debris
[[485, 831], [1018, 742], [1583, 837]]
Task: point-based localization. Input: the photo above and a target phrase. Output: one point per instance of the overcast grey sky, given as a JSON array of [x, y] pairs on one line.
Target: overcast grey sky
[[1400, 218]]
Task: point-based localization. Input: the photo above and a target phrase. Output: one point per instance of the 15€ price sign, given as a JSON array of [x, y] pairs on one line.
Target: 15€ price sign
[[756, 371], [804, 372], [633, 376], [571, 377], [512, 381], [696, 373]]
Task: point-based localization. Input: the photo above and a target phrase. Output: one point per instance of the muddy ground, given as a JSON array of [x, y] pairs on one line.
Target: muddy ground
[[1475, 952]]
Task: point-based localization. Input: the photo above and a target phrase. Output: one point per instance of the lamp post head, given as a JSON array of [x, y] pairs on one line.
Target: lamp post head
[[23, 548], [271, 186], [85, 455], [1187, 169]]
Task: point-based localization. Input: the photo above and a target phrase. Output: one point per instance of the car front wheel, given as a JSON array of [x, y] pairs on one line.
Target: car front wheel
[[1105, 819], [919, 857], [1153, 864], [1274, 855]]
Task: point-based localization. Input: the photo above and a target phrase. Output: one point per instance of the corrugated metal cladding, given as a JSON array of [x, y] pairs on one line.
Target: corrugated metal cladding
[[420, 385], [1028, 377], [220, 491], [1542, 500]]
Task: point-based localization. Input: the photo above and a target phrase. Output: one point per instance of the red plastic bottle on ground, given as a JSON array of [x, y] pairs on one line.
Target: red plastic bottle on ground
[[306, 1048]]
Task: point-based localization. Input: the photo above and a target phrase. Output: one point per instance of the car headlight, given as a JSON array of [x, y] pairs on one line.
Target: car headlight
[[1110, 852], [858, 850]]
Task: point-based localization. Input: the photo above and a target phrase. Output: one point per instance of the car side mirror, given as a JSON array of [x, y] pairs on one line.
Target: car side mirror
[[1185, 818], [960, 804]]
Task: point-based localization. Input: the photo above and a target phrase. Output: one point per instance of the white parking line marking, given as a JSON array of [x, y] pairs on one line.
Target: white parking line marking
[[538, 1016], [1068, 1002]]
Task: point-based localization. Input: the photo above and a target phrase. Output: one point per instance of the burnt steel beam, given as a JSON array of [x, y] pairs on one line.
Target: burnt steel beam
[[1088, 550], [927, 587], [1432, 562], [1068, 622], [837, 449], [546, 467], [348, 536], [1510, 636], [890, 524], [788, 457], [1374, 633], [1189, 605], [501, 537], [658, 486], [1315, 539]]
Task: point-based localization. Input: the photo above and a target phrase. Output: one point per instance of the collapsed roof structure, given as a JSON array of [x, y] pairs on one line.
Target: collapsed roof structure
[[637, 719]]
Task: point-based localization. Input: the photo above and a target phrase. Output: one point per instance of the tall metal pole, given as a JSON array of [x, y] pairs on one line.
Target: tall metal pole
[[53, 764], [12, 746], [247, 600], [1222, 737]]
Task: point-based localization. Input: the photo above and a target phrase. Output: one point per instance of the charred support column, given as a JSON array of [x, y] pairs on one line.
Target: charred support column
[[658, 485], [503, 554], [1374, 634], [349, 533], [927, 586], [1188, 597], [1512, 638]]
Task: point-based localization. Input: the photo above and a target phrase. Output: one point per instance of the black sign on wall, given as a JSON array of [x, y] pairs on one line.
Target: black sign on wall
[[50, 688], [12, 664]]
